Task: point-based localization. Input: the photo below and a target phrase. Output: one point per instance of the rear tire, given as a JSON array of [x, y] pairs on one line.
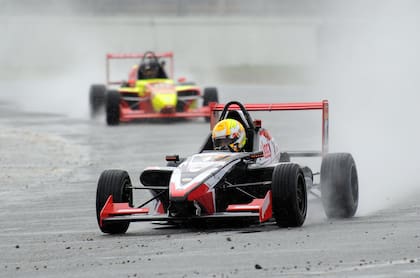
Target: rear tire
[[113, 107], [210, 95], [96, 99], [115, 183], [289, 196], [339, 185]]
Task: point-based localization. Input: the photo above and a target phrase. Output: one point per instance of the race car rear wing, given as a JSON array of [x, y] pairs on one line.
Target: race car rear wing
[[322, 105], [111, 56]]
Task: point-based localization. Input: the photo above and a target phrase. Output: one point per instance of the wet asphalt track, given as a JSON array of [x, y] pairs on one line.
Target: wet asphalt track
[[49, 168]]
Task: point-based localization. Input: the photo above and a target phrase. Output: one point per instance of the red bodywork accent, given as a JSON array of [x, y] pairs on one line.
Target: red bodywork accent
[[265, 133], [201, 194], [180, 193], [262, 206], [257, 123], [325, 126], [198, 192], [160, 209], [127, 114], [274, 106], [132, 76], [321, 105], [111, 209], [204, 197]]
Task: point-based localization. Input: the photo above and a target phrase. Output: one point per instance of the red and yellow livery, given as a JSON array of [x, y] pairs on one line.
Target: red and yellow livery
[[150, 92]]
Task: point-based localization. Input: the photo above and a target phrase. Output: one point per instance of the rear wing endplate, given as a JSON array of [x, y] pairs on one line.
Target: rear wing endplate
[[321, 105]]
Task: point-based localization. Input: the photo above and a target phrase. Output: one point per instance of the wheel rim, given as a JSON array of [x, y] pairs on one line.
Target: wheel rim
[[301, 196], [354, 184], [126, 196]]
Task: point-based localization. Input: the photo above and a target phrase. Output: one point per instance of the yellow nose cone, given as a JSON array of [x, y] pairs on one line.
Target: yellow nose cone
[[162, 101]]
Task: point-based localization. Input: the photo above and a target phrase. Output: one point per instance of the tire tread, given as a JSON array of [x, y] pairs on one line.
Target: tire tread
[[112, 182]]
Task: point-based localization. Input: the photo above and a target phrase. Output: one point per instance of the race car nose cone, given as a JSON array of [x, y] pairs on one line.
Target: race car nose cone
[[164, 102]]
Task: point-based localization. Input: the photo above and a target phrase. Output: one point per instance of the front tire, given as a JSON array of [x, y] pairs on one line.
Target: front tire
[[339, 185], [289, 196], [113, 107], [116, 183]]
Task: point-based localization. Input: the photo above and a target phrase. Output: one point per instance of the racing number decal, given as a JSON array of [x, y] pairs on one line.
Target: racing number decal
[[265, 141], [267, 150]]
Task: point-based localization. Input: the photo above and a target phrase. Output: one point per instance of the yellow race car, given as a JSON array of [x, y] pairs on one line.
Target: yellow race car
[[150, 93]]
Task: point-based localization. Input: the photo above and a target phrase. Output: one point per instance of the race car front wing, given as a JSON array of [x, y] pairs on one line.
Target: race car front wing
[[259, 210]]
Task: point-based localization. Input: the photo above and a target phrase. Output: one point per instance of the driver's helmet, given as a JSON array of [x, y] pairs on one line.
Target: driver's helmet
[[228, 134], [149, 69]]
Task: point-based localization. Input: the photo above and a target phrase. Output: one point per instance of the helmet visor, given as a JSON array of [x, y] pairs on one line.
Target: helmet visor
[[223, 143]]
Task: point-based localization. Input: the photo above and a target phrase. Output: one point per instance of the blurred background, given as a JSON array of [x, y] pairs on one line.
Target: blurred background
[[287, 43], [216, 41], [363, 56]]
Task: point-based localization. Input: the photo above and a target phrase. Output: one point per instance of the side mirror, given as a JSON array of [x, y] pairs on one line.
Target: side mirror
[[174, 157]]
